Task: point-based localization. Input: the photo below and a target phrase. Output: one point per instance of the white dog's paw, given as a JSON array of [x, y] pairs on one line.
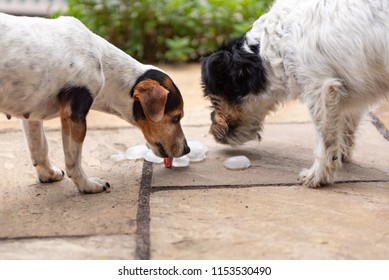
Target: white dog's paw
[[316, 176], [49, 175], [94, 185], [309, 179]]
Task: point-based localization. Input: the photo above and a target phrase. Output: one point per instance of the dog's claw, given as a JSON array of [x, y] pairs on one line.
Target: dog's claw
[[95, 185], [107, 187]]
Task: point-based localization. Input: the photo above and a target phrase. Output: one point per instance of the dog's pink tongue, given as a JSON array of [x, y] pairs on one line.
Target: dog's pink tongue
[[168, 162]]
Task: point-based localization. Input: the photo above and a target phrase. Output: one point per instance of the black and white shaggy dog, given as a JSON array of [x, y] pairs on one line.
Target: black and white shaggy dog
[[331, 54]]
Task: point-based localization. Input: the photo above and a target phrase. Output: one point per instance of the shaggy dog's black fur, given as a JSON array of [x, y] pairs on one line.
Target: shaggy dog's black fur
[[232, 72]]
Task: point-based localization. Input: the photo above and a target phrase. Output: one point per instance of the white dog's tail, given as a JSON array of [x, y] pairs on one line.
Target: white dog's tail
[[379, 125]]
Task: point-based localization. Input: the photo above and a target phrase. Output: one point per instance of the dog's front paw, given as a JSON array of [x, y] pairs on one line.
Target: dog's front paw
[[317, 176], [49, 175], [94, 185], [308, 178]]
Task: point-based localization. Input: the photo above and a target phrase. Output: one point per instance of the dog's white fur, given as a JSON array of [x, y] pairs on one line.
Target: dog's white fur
[[334, 56], [38, 58]]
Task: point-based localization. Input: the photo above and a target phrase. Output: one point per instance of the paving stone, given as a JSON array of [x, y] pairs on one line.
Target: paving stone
[[284, 151], [204, 211], [31, 209], [344, 221], [77, 248]]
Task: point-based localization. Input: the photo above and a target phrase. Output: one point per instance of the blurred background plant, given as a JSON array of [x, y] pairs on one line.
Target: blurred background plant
[[168, 30]]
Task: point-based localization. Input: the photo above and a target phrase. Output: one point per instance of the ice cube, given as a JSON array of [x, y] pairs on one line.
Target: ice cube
[[238, 162], [136, 152], [197, 151], [151, 157], [181, 161]]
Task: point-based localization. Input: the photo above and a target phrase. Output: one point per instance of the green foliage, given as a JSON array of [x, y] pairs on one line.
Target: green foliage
[[168, 30]]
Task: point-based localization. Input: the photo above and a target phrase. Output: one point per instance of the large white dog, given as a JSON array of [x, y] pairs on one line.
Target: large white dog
[[331, 54]]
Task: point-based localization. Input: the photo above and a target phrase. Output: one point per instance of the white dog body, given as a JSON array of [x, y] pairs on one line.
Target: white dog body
[[334, 56], [59, 68], [331, 54], [60, 52], [306, 41]]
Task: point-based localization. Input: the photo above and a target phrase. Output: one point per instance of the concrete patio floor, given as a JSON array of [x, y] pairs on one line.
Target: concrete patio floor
[[203, 211]]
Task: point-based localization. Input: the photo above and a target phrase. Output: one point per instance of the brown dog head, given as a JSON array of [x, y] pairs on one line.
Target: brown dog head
[[157, 111]]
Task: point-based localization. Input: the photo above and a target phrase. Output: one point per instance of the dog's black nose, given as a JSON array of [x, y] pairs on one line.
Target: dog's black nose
[[213, 113], [186, 148]]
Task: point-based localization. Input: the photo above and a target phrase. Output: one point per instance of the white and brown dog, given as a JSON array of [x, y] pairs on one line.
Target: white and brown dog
[[333, 55], [59, 68]]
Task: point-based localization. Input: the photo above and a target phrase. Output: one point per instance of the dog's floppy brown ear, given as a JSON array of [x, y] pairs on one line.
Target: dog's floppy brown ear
[[152, 97]]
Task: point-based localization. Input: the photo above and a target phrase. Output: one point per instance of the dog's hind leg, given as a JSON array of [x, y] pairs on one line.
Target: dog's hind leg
[[75, 104], [37, 143], [350, 124], [327, 119]]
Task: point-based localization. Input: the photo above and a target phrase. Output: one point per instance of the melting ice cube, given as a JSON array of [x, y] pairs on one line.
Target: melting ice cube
[[181, 161], [238, 162], [197, 151], [151, 157], [136, 152]]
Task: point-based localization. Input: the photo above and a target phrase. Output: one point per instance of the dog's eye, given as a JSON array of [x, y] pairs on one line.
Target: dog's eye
[[176, 119]]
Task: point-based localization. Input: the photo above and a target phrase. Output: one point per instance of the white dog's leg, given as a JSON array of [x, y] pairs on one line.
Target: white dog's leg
[[349, 128], [73, 134], [36, 140], [327, 119]]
